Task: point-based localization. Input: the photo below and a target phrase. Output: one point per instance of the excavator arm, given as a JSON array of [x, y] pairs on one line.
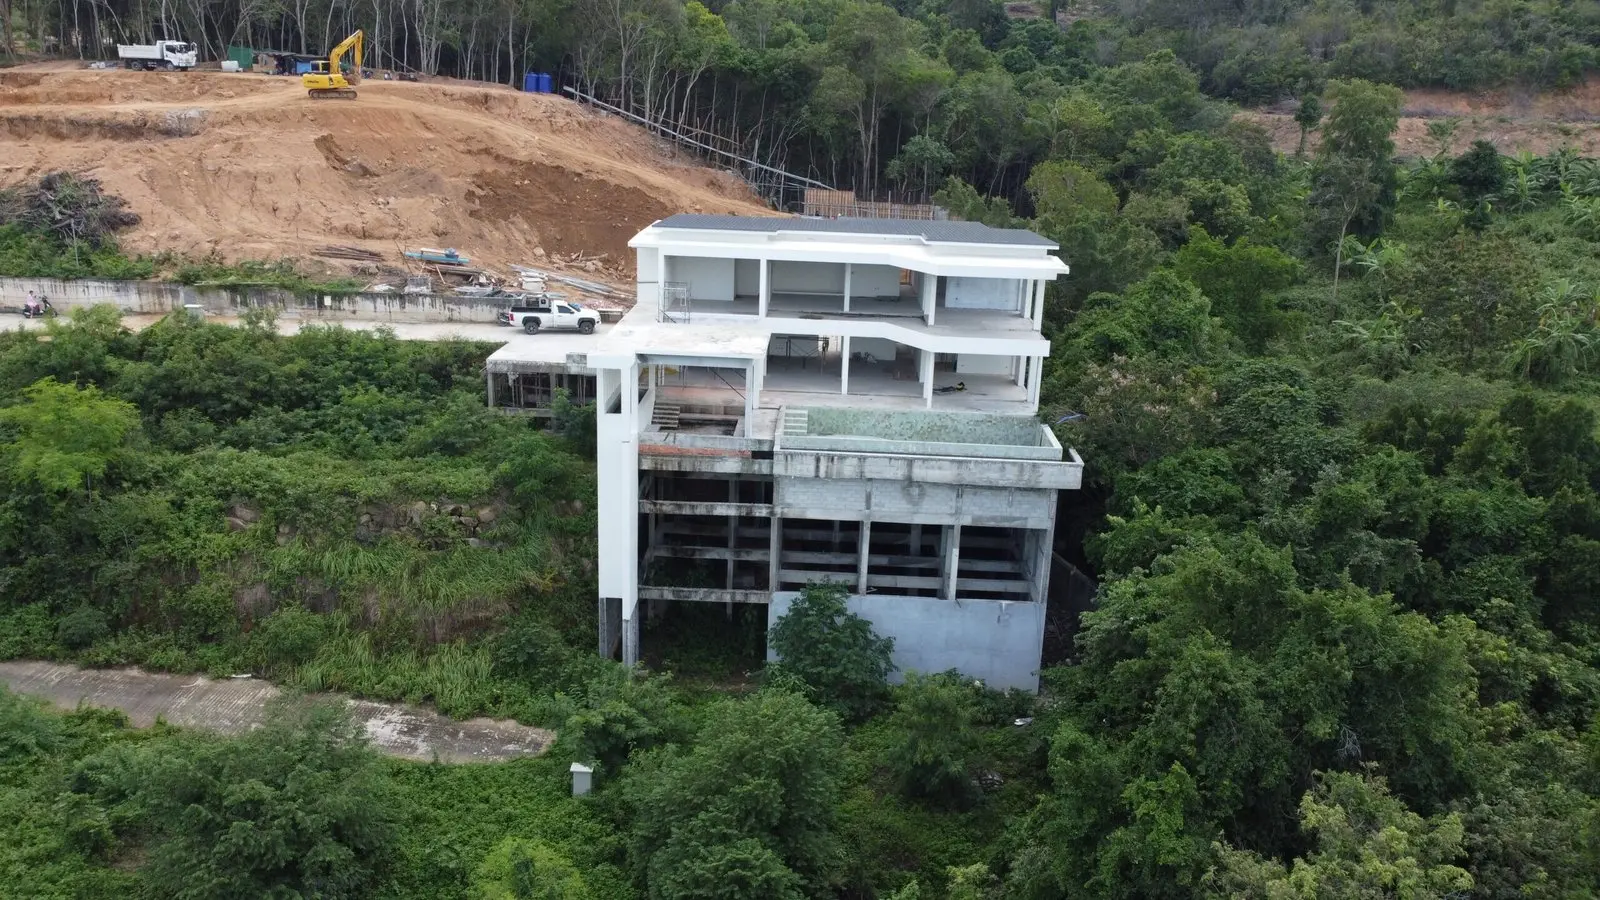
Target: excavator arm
[[336, 56]]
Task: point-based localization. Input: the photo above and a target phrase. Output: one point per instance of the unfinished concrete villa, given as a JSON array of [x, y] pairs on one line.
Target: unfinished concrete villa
[[843, 400]]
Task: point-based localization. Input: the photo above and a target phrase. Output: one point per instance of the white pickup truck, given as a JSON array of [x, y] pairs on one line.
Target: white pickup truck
[[166, 55], [551, 314]]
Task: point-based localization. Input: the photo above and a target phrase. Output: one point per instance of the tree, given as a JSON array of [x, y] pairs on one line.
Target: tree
[[935, 720], [1367, 845], [1354, 179], [1238, 280], [747, 813], [66, 436], [1480, 173], [1308, 115], [294, 808], [833, 652], [520, 869]]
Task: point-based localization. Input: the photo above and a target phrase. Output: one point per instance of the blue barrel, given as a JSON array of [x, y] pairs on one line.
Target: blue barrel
[[530, 83], [545, 83]]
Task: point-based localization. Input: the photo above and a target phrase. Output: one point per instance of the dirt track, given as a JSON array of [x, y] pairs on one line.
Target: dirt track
[[249, 167]]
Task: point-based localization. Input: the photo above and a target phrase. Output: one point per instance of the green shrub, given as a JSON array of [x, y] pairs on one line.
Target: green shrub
[[835, 653], [291, 636], [82, 627]]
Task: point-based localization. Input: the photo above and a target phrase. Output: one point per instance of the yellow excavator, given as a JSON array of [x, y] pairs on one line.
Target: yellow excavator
[[328, 80]]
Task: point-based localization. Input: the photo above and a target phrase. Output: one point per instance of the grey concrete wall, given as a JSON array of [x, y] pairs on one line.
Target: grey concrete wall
[[995, 641], [160, 297], [912, 502], [1011, 473]]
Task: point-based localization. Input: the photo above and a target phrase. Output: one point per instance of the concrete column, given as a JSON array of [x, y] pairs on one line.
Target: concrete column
[[733, 535], [490, 377], [844, 357], [773, 552], [752, 389], [766, 286], [926, 360], [930, 296], [863, 550], [1035, 377], [610, 626], [1038, 303], [1018, 369], [952, 560], [847, 289], [916, 540], [630, 641]]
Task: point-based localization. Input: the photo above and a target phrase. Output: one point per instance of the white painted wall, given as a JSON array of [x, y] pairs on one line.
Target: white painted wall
[[747, 277], [983, 293], [708, 279], [973, 364], [649, 274], [874, 281], [809, 278]]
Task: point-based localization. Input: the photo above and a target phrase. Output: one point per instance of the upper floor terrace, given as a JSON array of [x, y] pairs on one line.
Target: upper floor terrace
[[946, 277]]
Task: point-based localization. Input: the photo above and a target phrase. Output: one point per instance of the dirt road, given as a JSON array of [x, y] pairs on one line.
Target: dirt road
[[239, 704]]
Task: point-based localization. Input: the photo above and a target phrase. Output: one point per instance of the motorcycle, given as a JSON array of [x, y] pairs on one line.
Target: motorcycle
[[38, 309]]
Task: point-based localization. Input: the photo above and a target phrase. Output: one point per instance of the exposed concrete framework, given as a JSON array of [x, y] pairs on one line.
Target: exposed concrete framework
[[853, 403]]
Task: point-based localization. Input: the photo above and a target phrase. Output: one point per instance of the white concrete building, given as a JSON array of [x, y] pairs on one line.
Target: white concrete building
[[855, 401]]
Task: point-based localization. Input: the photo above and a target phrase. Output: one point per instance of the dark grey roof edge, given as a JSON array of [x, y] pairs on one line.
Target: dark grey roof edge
[[938, 232]]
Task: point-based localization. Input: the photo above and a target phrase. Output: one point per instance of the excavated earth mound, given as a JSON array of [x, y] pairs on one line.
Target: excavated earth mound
[[247, 166]]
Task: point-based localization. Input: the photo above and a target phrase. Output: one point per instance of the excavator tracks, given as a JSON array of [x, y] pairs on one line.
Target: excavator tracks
[[331, 94]]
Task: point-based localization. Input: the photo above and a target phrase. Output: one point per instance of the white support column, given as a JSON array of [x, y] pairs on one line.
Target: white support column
[[766, 286], [930, 296], [1019, 368], [847, 267], [774, 551], [864, 549], [1035, 376], [844, 358], [926, 372], [952, 561], [752, 389], [1038, 303], [489, 376]]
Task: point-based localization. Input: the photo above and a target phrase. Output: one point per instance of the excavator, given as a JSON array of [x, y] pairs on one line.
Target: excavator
[[328, 80]]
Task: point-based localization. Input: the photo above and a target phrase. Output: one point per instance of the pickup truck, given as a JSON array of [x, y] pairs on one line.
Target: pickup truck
[[551, 314], [166, 55]]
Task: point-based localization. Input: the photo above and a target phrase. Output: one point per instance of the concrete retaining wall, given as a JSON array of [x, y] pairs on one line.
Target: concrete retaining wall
[[160, 297], [995, 641]]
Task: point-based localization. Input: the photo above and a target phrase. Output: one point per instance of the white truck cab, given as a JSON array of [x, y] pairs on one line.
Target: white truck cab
[[558, 314], [168, 55]]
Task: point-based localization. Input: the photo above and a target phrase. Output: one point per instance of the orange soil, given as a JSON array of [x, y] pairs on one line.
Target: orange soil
[[1512, 120], [249, 167]]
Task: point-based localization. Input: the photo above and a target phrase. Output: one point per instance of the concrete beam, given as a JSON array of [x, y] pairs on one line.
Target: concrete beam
[[917, 518], [704, 595], [928, 583], [1020, 474], [686, 508], [742, 554], [710, 465]]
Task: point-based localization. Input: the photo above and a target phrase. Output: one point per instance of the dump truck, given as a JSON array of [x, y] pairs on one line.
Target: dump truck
[[535, 314], [167, 55]]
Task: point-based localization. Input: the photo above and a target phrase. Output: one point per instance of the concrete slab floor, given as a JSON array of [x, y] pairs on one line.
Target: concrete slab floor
[[236, 705]]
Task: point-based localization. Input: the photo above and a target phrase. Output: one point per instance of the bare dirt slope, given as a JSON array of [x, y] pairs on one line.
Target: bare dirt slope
[[1512, 120], [249, 167]]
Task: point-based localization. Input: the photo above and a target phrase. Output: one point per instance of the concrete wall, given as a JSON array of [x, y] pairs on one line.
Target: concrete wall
[[809, 278], [983, 293], [911, 502], [160, 298], [874, 281], [995, 641], [1021, 474], [708, 279], [747, 277], [975, 364], [881, 349]]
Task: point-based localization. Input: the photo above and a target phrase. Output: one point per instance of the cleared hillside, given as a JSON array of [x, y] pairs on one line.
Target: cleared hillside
[[248, 166]]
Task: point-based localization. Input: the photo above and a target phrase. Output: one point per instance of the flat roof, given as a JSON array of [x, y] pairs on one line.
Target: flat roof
[[935, 232]]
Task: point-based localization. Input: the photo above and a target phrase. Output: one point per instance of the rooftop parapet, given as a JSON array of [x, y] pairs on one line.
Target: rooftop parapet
[[913, 433]]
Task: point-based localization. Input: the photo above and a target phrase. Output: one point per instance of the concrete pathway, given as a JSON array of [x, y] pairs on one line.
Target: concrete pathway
[[235, 705]]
